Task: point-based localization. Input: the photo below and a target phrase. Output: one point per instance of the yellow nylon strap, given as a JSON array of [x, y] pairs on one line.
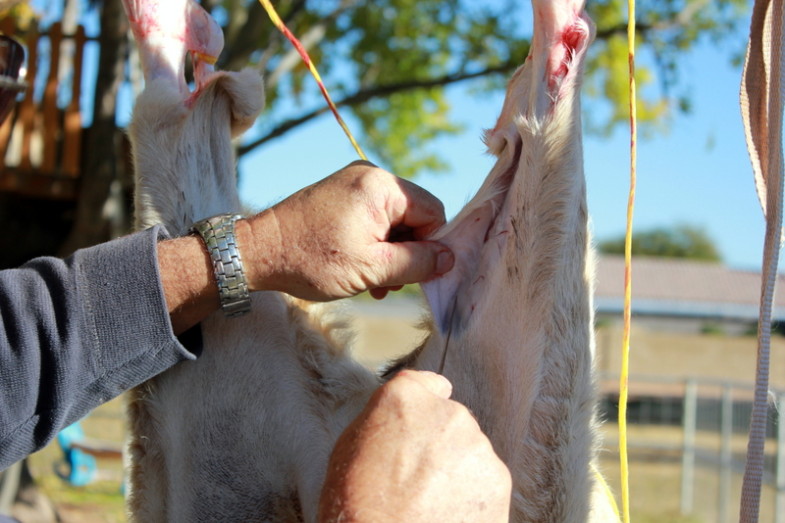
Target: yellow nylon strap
[[276, 20]]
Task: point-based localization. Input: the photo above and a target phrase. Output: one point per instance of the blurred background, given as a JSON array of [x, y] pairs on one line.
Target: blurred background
[[418, 81]]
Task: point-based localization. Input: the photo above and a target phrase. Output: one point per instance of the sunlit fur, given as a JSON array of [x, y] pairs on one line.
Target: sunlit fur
[[244, 432], [518, 344]]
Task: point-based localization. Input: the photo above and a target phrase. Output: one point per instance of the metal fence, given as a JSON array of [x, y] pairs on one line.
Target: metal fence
[[710, 421]]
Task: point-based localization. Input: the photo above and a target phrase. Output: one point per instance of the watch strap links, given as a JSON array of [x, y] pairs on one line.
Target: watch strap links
[[218, 235]]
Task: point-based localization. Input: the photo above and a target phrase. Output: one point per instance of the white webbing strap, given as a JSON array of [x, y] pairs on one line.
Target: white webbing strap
[[761, 107]]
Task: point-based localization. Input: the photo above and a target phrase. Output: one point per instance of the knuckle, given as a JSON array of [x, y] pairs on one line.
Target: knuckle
[[432, 201], [397, 390], [365, 181], [406, 391], [504, 475], [461, 420], [362, 163], [374, 177], [499, 469], [496, 468]]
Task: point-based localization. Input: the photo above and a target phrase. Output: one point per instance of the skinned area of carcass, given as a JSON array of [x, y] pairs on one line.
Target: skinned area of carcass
[[244, 432]]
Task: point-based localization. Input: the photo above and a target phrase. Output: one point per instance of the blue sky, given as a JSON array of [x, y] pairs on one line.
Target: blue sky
[[697, 172]]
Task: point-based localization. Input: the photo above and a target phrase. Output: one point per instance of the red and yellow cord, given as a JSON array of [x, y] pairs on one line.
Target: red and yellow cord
[[312, 68], [625, 357]]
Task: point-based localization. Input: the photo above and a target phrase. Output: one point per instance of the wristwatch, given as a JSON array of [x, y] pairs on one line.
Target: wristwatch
[[218, 235]]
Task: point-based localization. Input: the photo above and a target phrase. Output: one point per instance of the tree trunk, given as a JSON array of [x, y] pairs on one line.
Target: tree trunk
[[102, 209]]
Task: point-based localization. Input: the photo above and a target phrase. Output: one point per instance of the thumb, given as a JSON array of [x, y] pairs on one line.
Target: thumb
[[414, 262], [435, 383]]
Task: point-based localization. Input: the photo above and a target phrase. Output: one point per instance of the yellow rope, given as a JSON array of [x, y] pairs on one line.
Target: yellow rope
[[606, 490], [625, 357], [312, 68]]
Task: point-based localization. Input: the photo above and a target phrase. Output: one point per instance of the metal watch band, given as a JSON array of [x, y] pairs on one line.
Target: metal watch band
[[218, 235]]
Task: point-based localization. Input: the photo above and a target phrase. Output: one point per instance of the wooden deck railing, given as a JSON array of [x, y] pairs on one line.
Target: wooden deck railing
[[41, 142]]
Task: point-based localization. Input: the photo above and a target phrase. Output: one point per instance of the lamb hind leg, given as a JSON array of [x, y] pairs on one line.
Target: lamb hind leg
[[178, 189], [183, 154], [514, 322], [185, 170], [165, 30], [244, 433]]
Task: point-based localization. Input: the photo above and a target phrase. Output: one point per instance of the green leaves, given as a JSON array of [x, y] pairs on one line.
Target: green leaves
[[666, 29], [399, 127], [389, 62], [416, 45], [682, 241]]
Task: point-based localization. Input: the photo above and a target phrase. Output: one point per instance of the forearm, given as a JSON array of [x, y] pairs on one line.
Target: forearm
[[187, 274], [75, 333], [187, 281]]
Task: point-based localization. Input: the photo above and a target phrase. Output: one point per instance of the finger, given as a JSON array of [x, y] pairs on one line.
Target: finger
[[423, 212], [379, 293], [401, 233], [412, 262], [435, 383]]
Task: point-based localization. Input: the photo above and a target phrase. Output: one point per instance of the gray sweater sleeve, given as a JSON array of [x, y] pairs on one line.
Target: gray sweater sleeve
[[75, 333]]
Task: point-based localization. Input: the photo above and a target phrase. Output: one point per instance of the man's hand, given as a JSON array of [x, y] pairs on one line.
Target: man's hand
[[414, 455], [358, 229]]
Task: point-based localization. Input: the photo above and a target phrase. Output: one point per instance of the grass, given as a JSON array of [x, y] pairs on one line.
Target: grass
[[101, 501], [656, 476]]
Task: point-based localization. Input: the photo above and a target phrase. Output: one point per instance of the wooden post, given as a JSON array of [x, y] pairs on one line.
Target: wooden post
[[726, 454], [779, 503], [49, 103], [72, 124], [688, 447], [27, 110]]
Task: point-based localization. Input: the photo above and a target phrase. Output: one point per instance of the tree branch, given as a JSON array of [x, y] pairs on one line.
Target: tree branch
[[309, 40], [377, 91], [621, 29], [681, 19], [243, 35], [315, 35]]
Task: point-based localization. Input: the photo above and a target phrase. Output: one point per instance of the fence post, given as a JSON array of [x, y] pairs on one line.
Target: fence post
[[726, 454], [779, 503], [688, 446]]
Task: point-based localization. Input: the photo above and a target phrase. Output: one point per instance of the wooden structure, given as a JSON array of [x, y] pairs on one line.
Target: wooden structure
[[41, 143]]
